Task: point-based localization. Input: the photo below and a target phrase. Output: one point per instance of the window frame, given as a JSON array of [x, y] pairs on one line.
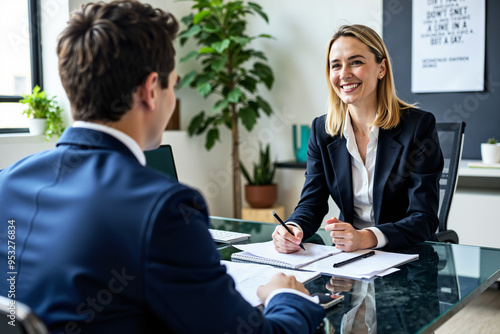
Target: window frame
[[35, 31]]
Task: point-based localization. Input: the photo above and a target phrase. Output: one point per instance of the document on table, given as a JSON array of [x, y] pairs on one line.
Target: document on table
[[264, 252], [380, 264], [321, 258], [249, 276]]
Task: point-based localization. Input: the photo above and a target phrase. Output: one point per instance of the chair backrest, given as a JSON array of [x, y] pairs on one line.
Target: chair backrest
[[451, 137], [18, 318], [162, 159]]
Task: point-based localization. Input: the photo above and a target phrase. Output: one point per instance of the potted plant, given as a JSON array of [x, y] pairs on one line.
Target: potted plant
[[44, 113], [490, 151], [231, 71], [261, 192]]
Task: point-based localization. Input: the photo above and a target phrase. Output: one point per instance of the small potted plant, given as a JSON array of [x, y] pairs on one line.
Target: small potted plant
[[490, 151], [261, 192], [44, 113]]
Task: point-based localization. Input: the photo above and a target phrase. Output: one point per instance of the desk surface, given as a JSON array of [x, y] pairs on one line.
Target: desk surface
[[417, 299]]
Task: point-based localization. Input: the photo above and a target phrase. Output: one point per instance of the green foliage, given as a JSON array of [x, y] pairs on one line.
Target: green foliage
[[231, 70], [263, 170], [492, 141], [40, 106]]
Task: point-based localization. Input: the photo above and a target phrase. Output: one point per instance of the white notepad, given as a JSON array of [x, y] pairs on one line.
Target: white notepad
[[264, 252]]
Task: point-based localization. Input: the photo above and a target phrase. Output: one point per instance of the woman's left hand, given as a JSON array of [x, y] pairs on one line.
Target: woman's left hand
[[347, 238]]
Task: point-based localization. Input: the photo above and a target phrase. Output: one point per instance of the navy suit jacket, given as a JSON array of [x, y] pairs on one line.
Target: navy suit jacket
[[105, 245], [405, 186]]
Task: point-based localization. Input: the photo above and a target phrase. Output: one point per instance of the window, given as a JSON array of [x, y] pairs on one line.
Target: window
[[20, 59]]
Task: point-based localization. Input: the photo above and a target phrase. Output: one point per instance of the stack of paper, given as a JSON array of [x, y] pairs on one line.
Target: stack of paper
[[380, 264], [321, 258], [248, 277]]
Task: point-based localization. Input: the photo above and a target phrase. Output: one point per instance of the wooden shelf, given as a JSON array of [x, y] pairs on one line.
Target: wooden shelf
[[465, 170], [291, 164], [263, 215]]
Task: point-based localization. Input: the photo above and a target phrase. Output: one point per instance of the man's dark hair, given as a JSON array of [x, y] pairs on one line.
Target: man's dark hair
[[107, 50]]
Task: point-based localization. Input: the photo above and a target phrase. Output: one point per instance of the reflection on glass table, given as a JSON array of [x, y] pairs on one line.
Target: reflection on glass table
[[418, 298]]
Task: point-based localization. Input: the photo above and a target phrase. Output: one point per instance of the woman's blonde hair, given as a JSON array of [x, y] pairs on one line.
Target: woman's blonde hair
[[389, 105]]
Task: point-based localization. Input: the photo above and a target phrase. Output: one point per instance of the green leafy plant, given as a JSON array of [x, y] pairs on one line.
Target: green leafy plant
[[231, 71], [492, 141], [263, 170], [41, 106]]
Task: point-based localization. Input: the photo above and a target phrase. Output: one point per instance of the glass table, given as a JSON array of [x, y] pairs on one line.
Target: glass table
[[418, 298]]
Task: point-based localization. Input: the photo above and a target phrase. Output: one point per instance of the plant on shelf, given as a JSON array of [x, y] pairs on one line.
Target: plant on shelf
[[261, 192], [231, 71], [490, 151], [46, 111], [263, 170]]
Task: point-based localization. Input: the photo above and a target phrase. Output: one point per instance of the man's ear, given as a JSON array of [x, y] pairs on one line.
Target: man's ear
[[147, 92]]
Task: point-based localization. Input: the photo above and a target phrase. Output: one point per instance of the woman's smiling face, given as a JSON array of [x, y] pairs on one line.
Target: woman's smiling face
[[354, 72]]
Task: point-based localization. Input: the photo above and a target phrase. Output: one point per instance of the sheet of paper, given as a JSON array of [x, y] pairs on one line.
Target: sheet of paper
[[249, 276], [375, 265], [312, 253]]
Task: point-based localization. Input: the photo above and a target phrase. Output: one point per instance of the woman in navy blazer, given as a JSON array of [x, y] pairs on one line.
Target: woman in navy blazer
[[378, 157]]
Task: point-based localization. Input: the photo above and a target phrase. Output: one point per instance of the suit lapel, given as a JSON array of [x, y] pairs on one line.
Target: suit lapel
[[341, 161], [388, 150]]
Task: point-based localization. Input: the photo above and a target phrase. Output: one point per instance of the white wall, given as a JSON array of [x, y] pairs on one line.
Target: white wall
[[55, 14], [297, 55], [301, 30]]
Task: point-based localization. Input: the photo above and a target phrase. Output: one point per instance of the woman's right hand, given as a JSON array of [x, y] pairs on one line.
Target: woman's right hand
[[284, 242]]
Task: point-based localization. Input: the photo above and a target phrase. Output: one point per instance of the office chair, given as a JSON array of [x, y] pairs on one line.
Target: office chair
[[451, 137], [26, 322]]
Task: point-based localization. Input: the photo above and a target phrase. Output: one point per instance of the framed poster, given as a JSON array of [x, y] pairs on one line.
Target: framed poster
[[448, 45]]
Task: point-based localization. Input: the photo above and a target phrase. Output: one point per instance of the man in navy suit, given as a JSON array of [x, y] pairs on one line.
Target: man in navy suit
[[104, 244]]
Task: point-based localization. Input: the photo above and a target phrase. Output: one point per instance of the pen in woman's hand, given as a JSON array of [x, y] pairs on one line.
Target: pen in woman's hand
[[286, 227]]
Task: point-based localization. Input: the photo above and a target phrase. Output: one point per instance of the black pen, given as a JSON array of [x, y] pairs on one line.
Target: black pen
[[363, 256], [284, 225]]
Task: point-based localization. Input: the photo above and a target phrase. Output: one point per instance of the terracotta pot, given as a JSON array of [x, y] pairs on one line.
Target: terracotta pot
[[261, 196]]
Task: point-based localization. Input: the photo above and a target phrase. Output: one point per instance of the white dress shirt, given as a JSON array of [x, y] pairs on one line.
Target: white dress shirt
[[121, 136], [362, 180]]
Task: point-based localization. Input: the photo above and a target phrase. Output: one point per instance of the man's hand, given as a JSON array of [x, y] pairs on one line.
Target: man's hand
[[284, 242], [280, 281]]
